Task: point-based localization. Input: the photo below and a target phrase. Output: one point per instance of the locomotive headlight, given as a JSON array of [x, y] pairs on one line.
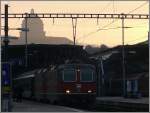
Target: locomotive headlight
[[68, 91], [89, 91]]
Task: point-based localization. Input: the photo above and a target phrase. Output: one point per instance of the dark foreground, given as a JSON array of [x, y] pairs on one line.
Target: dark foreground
[[115, 104], [32, 106], [103, 104]]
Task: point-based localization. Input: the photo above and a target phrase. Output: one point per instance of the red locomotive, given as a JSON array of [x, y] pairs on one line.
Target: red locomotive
[[67, 82]]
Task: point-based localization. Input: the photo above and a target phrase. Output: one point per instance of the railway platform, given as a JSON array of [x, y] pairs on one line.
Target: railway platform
[[123, 104], [32, 106]]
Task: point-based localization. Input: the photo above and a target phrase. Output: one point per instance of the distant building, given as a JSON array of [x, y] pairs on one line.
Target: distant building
[[136, 85], [37, 35], [41, 55], [136, 70]]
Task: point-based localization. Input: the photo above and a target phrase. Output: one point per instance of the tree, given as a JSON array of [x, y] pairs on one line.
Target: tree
[[103, 47]]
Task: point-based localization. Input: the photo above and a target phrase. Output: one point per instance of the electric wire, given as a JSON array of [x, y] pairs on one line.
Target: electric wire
[[127, 13], [104, 9], [138, 7], [108, 4], [114, 21], [136, 39]]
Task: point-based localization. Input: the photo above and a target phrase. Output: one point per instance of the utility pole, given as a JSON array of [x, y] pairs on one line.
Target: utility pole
[[123, 57], [26, 42], [6, 41], [6, 82]]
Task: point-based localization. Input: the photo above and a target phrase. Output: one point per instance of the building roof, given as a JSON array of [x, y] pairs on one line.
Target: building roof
[[134, 76]]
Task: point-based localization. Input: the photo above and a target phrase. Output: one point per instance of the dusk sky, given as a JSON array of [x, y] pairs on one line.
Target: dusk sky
[[86, 28]]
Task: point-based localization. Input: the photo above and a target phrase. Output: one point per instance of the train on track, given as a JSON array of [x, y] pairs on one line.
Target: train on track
[[62, 83]]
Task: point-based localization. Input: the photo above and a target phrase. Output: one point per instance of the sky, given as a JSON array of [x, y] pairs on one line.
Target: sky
[[86, 28]]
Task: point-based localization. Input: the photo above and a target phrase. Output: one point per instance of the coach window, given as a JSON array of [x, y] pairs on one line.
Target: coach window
[[86, 75], [69, 75]]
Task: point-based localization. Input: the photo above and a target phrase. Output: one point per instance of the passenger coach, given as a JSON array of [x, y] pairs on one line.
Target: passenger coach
[[67, 82]]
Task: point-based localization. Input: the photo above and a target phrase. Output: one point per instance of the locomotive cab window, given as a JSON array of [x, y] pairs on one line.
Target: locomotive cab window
[[69, 75], [86, 75]]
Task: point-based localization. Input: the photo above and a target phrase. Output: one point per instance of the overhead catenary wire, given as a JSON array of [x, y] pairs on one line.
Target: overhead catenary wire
[[138, 7], [136, 39], [104, 8], [127, 13], [130, 12], [114, 20], [113, 28]]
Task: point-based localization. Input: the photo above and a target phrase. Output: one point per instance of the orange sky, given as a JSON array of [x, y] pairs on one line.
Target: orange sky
[[63, 27]]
